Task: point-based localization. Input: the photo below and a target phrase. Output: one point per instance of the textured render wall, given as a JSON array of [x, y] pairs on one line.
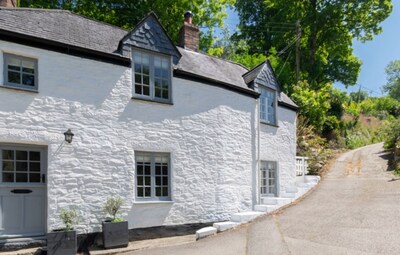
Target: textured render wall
[[279, 144], [209, 131]]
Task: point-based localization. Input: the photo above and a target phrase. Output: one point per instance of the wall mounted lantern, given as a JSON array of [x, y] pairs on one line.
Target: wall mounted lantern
[[68, 136]]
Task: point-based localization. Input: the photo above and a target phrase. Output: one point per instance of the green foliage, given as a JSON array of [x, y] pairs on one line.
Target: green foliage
[[359, 95], [392, 132], [126, 14], [69, 217], [381, 107], [314, 104], [112, 206], [393, 79], [327, 31]]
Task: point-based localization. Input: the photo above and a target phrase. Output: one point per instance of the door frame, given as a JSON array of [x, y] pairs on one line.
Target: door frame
[[277, 190], [44, 170]]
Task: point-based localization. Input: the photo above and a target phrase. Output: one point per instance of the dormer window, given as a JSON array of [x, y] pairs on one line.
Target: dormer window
[[152, 76], [267, 105]]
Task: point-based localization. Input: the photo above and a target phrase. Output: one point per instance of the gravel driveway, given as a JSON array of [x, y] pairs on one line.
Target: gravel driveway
[[355, 210]]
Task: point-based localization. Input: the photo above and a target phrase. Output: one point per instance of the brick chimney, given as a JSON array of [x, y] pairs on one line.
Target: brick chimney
[[8, 3], [189, 33]]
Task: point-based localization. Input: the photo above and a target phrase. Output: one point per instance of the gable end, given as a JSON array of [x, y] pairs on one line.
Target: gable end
[[149, 34]]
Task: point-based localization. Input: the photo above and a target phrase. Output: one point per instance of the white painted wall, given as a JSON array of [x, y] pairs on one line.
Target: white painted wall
[[279, 144], [209, 131]]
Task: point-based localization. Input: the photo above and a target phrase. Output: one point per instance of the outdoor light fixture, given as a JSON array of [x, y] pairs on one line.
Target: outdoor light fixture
[[68, 136]]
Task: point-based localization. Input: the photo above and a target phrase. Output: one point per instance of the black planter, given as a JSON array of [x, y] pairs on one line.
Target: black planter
[[115, 234], [61, 243]]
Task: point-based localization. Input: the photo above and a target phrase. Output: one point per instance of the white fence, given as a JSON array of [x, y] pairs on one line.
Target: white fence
[[301, 166]]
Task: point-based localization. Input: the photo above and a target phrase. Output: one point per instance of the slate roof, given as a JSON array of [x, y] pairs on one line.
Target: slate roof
[[63, 27], [71, 29]]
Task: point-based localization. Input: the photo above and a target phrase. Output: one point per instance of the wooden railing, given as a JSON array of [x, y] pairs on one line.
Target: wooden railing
[[301, 166]]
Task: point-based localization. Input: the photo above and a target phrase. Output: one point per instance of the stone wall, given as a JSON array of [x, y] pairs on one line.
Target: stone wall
[[208, 131], [278, 143]]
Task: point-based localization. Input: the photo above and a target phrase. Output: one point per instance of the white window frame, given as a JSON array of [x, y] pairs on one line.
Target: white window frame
[[153, 196], [152, 96], [6, 58], [265, 109]]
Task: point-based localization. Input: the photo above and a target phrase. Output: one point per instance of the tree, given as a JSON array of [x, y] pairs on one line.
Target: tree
[[359, 96], [327, 26], [393, 79], [126, 13]]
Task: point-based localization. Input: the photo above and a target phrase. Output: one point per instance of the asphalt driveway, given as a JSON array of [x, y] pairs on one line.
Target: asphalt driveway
[[355, 210]]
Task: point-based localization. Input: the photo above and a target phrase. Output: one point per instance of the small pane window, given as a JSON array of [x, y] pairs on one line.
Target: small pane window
[[20, 165], [20, 72], [152, 76], [267, 105], [152, 176]]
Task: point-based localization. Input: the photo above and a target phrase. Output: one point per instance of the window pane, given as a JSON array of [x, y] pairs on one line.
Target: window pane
[[157, 92], [138, 79], [28, 79], [14, 63], [165, 181], [140, 192], [147, 170], [165, 94], [22, 166], [139, 170], [8, 166], [157, 72], [165, 191], [139, 181], [34, 167], [147, 181], [22, 155], [165, 73], [14, 77], [146, 80], [138, 89], [34, 155], [158, 191], [158, 170], [165, 170], [34, 177], [21, 177], [8, 154], [158, 181], [8, 177], [157, 62], [138, 68], [28, 70], [146, 90], [147, 192]]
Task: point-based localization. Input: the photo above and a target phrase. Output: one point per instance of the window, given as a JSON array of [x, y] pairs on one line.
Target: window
[[20, 166], [267, 105], [152, 176], [20, 72], [268, 178], [152, 76]]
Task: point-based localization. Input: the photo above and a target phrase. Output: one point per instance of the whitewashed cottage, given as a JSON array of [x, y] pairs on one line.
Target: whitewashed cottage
[[181, 136]]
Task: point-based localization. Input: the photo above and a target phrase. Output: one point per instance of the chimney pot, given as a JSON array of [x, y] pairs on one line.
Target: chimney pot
[[188, 17], [189, 33], [8, 3]]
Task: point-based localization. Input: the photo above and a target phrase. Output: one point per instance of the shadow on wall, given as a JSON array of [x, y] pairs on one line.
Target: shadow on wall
[[189, 99], [11, 96], [148, 215]]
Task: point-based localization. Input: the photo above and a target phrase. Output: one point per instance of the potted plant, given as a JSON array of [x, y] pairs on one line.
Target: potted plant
[[63, 241], [115, 230]]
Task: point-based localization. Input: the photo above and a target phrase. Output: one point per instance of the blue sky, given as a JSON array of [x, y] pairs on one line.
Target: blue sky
[[375, 54]]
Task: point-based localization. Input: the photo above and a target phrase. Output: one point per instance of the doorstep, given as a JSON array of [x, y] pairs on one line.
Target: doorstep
[[135, 245]]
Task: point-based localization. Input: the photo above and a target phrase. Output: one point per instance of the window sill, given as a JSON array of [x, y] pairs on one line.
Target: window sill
[[152, 202], [268, 124], [19, 89], [151, 101]]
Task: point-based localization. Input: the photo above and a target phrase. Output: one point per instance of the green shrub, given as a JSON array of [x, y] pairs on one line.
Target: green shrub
[[113, 205], [69, 217]]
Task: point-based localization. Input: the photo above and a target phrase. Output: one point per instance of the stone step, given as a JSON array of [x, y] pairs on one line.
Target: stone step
[[312, 178], [244, 216], [266, 208], [204, 232], [291, 189], [288, 195], [223, 226], [275, 201]]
